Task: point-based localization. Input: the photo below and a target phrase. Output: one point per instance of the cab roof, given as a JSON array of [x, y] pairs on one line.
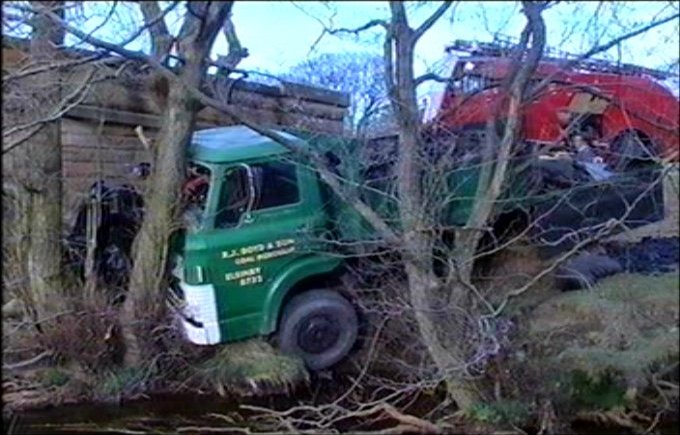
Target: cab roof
[[235, 143]]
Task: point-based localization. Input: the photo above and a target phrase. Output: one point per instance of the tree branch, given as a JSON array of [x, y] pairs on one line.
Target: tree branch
[[601, 48], [370, 24], [622, 38], [430, 77], [71, 100], [432, 19], [115, 48], [236, 51], [161, 39]]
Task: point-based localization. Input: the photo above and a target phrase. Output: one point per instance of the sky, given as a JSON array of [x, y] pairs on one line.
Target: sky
[[280, 34]]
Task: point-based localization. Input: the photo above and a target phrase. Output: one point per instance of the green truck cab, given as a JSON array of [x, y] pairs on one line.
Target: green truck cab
[[254, 257], [250, 242]]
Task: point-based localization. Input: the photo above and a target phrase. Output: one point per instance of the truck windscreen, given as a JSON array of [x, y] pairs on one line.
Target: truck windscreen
[[195, 195]]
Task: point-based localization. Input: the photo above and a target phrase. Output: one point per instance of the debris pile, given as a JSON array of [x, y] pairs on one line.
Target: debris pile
[[649, 256]]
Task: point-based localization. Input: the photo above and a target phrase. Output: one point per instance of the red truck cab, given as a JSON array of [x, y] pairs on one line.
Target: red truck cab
[[615, 102]]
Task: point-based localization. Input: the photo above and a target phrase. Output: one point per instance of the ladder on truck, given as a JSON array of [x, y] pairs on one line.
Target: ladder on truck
[[504, 46]]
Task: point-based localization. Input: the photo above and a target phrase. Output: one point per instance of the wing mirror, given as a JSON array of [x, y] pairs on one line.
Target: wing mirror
[[250, 177]]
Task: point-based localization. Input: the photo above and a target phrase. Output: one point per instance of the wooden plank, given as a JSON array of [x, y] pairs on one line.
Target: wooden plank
[[94, 169], [114, 116], [87, 126], [265, 117], [125, 94], [135, 99], [135, 94], [290, 89], [315, 94], [12, 58], [121, 117], [88, 142], [296, 120], [287, 89], [313, 109], [110, 155], [251, 99]]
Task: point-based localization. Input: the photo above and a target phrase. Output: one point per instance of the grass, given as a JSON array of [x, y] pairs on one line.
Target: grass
[[614, 335], [632, 295], [252, 367]]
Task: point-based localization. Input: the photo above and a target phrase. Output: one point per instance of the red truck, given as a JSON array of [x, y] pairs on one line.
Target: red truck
[[622, 107]]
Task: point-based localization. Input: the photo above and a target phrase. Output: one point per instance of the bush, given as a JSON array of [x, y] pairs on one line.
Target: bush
[[84, 332], [500, 412]]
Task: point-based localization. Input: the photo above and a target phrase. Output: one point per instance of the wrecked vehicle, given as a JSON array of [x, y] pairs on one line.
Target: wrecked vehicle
[[259, 253], [266, 242], [623, 108]]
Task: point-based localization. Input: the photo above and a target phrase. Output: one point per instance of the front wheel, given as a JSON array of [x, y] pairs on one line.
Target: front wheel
[[319, 326]]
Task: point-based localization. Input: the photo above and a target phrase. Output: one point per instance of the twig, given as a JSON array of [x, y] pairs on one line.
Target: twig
[[139, 130], [204, 429], [27, 362]]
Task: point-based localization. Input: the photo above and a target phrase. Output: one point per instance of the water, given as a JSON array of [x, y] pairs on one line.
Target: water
[[158, 414], [188, 413]]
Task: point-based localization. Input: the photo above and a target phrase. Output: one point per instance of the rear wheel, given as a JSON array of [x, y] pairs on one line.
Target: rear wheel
[[585, 270], [319, 326], [632, 151]]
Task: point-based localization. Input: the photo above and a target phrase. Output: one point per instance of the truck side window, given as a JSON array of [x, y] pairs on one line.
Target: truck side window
[[278, 185], [274, 183], [194, 194], [234, 197]]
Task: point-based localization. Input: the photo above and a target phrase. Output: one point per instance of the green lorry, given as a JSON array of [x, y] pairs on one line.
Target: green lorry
[[257, 257]]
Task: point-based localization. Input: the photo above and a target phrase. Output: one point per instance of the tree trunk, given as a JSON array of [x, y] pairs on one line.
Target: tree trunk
[[41, 173], [448, 358], [418, 244], [145, 304]]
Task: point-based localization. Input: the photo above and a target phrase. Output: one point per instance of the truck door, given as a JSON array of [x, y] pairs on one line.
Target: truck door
[[263, 215]]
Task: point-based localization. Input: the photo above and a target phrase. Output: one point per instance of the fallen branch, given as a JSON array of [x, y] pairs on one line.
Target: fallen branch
[[411, 421], [139, 130], [210, 429], [28, 362]]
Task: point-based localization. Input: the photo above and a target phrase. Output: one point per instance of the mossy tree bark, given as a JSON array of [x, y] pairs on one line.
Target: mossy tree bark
[[446, 348], [145, 303], [40, 170]]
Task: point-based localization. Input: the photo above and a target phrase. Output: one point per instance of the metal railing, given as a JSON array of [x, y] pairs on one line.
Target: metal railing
[[502, 46]]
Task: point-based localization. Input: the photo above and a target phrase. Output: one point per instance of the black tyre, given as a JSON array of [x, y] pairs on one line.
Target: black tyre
[[632, 151], [319, 326], [585, 270]]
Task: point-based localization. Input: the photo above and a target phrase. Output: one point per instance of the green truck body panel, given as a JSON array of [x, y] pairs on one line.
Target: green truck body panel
[[234, 144], [252, 265], [236, 277], [307, 267]]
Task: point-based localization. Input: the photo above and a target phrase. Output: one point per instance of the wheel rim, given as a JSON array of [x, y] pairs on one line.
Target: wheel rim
[[317, 334]]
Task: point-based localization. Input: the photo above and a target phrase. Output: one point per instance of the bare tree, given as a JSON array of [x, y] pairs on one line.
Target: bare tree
[[40, 176], [361, 75], [202, 23], [415, 238], [177, 89]]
